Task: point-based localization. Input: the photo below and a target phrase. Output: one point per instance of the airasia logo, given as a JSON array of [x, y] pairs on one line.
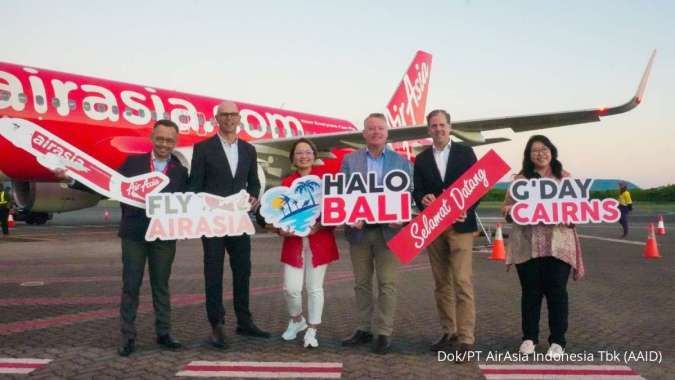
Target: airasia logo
[[407, 107], [138, 189], [44, 144]]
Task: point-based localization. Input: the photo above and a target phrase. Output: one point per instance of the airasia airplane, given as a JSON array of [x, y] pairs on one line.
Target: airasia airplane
[[109, 120]]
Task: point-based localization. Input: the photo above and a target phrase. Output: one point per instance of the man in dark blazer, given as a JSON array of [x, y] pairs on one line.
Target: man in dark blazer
[[224, 165], [450, 254], [136, 250]]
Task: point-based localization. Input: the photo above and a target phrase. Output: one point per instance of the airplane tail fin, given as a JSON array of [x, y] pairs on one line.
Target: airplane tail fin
[[408, 104]]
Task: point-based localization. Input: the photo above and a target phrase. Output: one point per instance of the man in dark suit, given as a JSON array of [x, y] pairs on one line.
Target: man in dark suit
[[450, 254], [136, 250], [224, 165]]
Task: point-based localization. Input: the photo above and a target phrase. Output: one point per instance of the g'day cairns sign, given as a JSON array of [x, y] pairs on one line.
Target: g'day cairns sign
[[448, 206], [565, 201], [355, 198]]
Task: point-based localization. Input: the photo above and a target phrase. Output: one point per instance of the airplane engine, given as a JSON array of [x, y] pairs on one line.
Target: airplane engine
[[47, 197]]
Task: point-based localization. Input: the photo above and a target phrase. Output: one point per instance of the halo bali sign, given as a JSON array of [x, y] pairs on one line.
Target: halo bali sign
[[294, 209], [565, 201], [448, 206], [193, 215], [348, 200]]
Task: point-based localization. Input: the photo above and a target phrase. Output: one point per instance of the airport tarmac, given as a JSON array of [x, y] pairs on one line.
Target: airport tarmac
[[60, 286]]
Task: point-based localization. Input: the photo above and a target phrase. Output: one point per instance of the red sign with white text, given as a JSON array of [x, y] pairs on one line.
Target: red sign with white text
[[448, 206]]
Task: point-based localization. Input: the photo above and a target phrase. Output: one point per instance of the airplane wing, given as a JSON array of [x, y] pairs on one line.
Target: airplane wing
[[470, 131]]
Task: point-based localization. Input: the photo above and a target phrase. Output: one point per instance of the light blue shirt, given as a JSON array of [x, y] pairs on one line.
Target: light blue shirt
[[158, 164], [376, 164]]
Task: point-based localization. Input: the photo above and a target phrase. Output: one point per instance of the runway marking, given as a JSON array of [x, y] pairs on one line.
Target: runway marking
[[21, 366], [558, 372], [262, 369], [612, 239], [188, 300]]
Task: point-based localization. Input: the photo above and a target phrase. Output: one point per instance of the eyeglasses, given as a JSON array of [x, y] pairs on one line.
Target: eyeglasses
[[165, 141], [541, 151], [228, 114], [303, 153]]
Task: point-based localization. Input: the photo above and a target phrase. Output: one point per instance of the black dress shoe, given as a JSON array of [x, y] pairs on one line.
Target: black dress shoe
[[462, 353], [218, 339], [444, 343], [382, 344], [127, 347], [358, 337], [167, 341], [250, 329]]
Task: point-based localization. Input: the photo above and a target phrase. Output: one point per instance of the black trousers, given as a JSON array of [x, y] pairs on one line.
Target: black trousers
[[159, 255], [544, 277], [239, 250], [624, 218], [4, 216]]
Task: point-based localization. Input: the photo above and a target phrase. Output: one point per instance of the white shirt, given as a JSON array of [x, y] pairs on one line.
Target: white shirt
[[232, 153], [441, 158]]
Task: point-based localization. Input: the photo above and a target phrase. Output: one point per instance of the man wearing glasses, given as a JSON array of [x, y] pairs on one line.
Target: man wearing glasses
[[224, 165]]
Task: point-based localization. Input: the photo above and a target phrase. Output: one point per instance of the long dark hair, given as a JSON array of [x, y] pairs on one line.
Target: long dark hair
[[528, 166]]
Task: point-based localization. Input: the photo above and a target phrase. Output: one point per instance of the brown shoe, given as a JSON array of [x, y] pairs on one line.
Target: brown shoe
[[444, 343], [462, 353]]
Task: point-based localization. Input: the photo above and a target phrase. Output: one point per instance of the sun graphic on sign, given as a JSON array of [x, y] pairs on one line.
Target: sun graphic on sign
[[277, 203]]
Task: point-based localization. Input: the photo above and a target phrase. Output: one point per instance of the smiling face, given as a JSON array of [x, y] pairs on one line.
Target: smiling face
[[439, 130], [163, 141], [228, 117], [540, 155], [375, 132], [303, 156]]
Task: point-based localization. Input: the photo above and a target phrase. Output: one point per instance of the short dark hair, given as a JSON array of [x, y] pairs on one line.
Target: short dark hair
[[302, 140], [438, 112], [166, 123]]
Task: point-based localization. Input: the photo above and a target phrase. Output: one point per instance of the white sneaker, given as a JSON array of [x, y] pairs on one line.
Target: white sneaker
[[293, 329], [310, 338], [555, 352], [527, 347]]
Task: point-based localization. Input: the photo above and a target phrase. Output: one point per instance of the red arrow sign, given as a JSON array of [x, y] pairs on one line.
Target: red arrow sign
[[440, 214]]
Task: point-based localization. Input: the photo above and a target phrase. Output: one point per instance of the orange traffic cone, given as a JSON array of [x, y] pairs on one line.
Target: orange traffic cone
[[651, 248], [106, 216], [661, 228], [498, 251], [10, 221]]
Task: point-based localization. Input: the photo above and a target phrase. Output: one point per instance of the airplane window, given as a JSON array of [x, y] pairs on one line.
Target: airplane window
[[86, 106], [184, 119], [200, 119], [100, 107], [141, 113], [22, 98], [71, 104], [153, 115], [4, 95], [115, 110], [128, 112], [167, 116], [39, 100], [56, 103]]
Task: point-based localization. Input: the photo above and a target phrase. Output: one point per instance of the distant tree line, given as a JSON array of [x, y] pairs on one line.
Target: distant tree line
[[656, 194]]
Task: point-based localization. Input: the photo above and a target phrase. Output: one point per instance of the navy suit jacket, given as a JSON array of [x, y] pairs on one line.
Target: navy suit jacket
[[210, 172], [427, 178]]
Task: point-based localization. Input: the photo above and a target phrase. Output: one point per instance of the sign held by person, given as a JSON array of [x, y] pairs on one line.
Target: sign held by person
[[348, 200], [293, 209], [565, 201]]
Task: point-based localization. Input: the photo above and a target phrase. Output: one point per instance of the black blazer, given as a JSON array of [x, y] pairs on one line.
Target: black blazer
[[427, 178], [134, 223], [210, 172]]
